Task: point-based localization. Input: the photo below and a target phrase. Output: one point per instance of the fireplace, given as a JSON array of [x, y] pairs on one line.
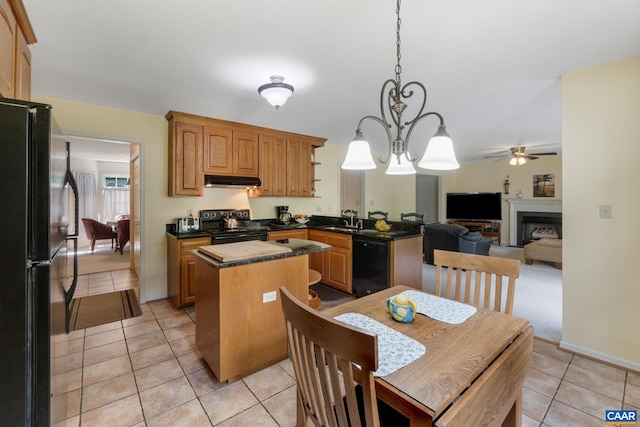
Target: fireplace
[[543, 216], [538, 225]]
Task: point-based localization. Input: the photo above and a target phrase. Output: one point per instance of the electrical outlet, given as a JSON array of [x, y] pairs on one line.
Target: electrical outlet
[[268, 297], [189, 212], [605, 212]]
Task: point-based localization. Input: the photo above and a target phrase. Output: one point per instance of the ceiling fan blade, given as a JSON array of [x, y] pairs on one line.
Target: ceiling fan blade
[[503, 156], [529, 156], [544, 154]]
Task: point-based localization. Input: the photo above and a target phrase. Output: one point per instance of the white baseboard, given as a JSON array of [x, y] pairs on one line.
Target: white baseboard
[[626, 364]]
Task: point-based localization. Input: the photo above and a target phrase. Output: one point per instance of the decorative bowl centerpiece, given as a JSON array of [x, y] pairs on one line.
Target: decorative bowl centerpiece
[[301, 219], [402, 308]]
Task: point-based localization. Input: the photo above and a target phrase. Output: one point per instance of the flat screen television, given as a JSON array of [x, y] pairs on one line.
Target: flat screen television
[[474, 206]]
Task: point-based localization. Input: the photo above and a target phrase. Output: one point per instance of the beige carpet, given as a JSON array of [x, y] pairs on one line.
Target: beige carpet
[[99, 309], [103, 259]]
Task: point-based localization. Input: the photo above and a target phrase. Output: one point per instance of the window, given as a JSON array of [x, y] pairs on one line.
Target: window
[[116, 181]]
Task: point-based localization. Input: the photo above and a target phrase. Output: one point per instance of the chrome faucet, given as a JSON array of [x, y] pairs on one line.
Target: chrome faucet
[[351, 214]]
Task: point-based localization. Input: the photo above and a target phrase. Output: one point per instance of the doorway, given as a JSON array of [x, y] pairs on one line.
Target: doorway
[[352, 190], [105, 171], [428, 196]]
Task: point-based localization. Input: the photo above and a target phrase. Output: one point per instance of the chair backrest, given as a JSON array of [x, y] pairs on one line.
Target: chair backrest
[[96, 230], [123, 231], [378, 215], [412, 217], [487, 275], [323, 352]]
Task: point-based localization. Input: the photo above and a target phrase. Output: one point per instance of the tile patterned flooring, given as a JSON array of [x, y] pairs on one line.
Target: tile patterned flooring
[[146, 371]]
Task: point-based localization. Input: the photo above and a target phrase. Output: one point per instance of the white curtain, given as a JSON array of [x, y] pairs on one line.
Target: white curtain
[[115, 201], [87, 193]]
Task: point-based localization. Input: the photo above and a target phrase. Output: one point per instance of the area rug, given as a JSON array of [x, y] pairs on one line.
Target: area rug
[[99, 309]]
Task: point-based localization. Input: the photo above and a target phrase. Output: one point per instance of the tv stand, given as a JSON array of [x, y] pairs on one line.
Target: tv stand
[[486, 228]]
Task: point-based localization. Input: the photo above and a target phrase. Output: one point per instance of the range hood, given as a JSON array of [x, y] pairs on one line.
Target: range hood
[[219, 181]]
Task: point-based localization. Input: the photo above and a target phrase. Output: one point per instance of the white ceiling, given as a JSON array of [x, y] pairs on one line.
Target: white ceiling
[[491, 68]]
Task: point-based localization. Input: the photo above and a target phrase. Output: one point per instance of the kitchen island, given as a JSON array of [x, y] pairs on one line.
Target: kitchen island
[[240, 327]]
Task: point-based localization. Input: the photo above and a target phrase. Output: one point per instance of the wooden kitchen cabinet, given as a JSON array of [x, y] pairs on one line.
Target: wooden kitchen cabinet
[[273, 165], [335, 266], [201, 146], [16, 34], [229, 151], [185, 159], [288, 234], [181, 285]]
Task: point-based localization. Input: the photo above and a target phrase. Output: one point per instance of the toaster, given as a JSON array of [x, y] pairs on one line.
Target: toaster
[[186, 224]]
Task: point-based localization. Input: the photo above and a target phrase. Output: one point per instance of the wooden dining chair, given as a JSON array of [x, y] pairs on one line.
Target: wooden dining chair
[[477, 279], [323, 352], [379, 215], [412, 217]]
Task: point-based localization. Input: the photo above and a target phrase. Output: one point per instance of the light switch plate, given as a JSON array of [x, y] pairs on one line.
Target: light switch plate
[[606, 212]]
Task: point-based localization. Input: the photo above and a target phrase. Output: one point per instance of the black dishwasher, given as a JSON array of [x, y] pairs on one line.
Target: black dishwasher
[[371, 265]]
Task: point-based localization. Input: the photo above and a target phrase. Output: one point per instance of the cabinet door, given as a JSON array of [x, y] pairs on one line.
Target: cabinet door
[[187, 161], [293, 168], [339, 269], [7, 51], [23, 69], [317, 260], [188, 280], [245, 153], [218, 151], [305, 174], [273, 165]]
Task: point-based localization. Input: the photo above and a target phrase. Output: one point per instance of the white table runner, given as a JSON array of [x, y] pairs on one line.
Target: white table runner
[[395, 350], [442, 309]]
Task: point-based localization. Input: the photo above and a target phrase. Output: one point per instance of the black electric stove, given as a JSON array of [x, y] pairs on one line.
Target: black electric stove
[[213, 222]]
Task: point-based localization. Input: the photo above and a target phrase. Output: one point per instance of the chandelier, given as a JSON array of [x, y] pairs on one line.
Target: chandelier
[[439, 154]]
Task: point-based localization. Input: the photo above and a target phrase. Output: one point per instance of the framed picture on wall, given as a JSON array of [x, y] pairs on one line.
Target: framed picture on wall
[[544, 185]]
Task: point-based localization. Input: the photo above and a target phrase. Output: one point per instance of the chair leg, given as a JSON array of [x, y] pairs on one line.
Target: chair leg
[[92, 244], [111, 243]]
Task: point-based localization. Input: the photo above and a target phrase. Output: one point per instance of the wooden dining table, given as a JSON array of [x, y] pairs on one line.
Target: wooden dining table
[[471, 374]]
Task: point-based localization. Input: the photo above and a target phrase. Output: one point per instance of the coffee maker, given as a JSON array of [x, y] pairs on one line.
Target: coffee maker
[[283, 214]]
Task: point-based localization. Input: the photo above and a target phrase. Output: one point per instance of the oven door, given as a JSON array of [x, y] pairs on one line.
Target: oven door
[[239, 236]]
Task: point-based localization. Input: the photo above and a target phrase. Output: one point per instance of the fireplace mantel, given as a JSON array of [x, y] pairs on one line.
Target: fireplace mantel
[[532, 205]]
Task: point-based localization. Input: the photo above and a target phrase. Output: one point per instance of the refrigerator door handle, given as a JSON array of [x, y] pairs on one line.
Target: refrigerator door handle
[[68, 295], [74, 187]]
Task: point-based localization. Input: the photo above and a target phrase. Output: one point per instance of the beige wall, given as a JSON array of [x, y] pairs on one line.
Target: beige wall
[[601, 147]]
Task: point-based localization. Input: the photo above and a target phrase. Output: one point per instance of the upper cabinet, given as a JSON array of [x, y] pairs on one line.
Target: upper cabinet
[[16, 34], [200, 146], [229, 151]]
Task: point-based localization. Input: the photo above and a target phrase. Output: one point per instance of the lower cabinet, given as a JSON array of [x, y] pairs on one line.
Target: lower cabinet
[[335, 265], [181, 271]]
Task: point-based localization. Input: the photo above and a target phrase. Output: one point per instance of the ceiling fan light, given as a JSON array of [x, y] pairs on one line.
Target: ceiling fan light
[[517, 161], [439, 154], [400, 166], [359, 154], [276, 93]]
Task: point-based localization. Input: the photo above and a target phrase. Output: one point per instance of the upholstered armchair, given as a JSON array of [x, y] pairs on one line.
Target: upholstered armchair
[[123, 233], [98, 231], [453, 237]]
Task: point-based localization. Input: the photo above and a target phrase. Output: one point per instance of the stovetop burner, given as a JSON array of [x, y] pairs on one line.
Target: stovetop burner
[[212, 221]]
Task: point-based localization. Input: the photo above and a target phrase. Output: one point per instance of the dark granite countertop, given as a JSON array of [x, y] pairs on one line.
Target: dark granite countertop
[[298, 247]]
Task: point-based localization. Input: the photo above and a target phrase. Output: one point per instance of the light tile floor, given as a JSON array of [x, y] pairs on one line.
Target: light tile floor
[[146, 371]]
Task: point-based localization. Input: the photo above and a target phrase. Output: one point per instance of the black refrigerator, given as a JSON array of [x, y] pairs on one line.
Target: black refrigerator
[[38, 255]]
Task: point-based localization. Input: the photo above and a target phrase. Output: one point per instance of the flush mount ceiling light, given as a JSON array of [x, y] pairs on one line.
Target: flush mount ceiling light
[[276, 92], [439, 153]]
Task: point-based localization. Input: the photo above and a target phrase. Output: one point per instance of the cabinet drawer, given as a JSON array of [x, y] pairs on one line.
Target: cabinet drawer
[[339, 240], [287, 234], [188, 245]]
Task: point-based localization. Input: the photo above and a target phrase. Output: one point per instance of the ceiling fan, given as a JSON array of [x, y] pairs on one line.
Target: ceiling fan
[[519, 157]]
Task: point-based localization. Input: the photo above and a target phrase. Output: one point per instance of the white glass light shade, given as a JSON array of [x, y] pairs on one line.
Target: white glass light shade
[[439, 155], [359, 155], [276, 93], [402, 167], [517, 161]]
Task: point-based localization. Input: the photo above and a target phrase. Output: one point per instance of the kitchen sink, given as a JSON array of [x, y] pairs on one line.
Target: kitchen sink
[[343, 229]]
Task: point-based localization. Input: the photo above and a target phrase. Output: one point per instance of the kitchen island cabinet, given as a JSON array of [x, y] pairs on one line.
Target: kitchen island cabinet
[[240, 327], [300, 233]]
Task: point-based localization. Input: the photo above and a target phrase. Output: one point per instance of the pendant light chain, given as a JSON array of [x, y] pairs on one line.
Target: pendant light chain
[[398, 67]]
